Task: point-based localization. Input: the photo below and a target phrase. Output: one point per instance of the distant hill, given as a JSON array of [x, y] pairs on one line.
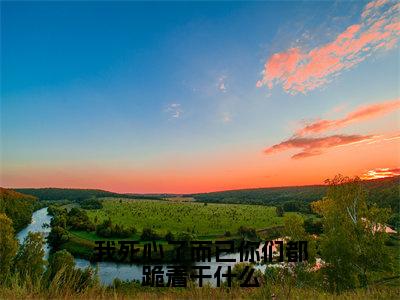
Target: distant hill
[[294, 198], [385, 192], [55, 194], [18, 207]]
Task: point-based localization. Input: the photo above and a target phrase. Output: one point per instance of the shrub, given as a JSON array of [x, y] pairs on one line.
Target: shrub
[[149, 234], [247, 232], [169, 236]]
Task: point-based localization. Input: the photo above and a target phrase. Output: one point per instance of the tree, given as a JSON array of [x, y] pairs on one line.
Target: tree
[[57, 237], [313, 226], [186, 236], [169, 236], [293, 227], [352, 244], [279, 211], [149, 234], [29, 262], [62, 274], [247, 232], [61, 261], [8, 246], [18, 207], [294, 231], [59, 220]]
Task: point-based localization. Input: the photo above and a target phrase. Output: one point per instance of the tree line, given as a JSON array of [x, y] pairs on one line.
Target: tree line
[[17, 206]]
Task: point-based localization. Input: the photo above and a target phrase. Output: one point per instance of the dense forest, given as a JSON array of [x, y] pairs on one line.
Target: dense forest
[[384, 193], [381, 191], [265, 196], [17, 206], [56, 194]]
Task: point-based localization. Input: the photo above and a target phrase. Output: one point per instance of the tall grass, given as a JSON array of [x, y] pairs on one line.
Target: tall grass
[[64, 286]]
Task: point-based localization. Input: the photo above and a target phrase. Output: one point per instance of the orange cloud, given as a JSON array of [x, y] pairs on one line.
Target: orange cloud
[[380, 173], [301, 71], [317, 145], [360, 114]]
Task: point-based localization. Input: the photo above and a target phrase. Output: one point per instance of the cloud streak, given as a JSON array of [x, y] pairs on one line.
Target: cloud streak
[[299, 71], [222, 86], [311, 146], [380, 173], [175, 110], [360, 114]]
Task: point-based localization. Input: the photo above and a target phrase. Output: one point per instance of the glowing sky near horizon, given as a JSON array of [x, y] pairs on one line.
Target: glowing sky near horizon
[[187, 97]]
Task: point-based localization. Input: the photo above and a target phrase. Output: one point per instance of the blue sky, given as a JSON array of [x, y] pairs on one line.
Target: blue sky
[[157, 87]]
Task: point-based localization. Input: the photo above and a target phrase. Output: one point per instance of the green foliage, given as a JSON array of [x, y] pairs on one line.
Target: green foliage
[[247, 232], [293, 228], [384, 193], [57, 194], [169, 236], [60, 220], [279, 211], [29, 262], [394, 221], [239, 268], [8, 246], [91, 203], [297, 197], [353, 244], [57, 237], [299, 206], [60, 260], [62, 273], [313, 226], [186, 236], [107, 229], [18, 207], [149, 234], [54, 210], [78, 219]]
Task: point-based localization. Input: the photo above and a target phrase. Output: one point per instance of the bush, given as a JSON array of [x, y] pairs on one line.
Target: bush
[[279, 211], [92, 203], [57, 237], [149, 234], [186, 236], [107, 229], [169, 236], [247, 232], [313, 226], [79, 220]]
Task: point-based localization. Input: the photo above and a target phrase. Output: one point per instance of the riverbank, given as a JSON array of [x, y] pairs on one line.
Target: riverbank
[[106, 270]]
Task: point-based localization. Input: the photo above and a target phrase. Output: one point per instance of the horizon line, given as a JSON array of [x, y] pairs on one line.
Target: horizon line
[[213, 191]]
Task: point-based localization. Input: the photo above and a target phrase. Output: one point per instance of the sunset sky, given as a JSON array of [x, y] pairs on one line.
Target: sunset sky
[[189, 97]]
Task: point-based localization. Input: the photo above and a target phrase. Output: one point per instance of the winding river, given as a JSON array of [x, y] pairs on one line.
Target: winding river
[[108, 271]]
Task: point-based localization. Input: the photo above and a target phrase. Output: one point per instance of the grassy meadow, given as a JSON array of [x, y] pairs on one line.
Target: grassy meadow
[[179, 216]]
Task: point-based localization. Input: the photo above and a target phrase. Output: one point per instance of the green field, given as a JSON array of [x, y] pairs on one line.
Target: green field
[[198, 218]]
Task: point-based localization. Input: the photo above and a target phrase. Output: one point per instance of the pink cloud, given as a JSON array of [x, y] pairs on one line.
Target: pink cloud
[[380, 173], [360, 114], [301, 71], [311, 146]]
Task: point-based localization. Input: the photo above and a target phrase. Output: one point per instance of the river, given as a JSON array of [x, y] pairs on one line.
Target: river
[[108, 271]]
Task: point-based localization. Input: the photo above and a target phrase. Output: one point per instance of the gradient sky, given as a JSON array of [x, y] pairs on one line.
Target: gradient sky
[[188, 97]]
